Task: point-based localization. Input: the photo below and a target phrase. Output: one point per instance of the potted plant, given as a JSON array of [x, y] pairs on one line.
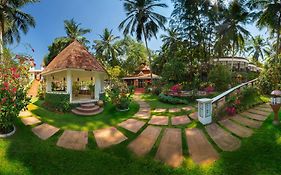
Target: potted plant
[[13, 81]]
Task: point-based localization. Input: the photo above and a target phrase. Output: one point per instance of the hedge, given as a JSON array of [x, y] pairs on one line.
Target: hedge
[[58, 101], [172, 100]]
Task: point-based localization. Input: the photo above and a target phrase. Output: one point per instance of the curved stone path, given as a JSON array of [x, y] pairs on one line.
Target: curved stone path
[[170, 131]]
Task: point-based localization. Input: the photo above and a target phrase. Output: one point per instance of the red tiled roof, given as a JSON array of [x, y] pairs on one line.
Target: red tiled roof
[[75, 56]]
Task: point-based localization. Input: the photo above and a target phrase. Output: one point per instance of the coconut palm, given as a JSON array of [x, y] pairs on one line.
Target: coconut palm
[[142, 20], [13, 21], [258, 48], [269, 16], [171, 38], [106, 48], [232, 31]]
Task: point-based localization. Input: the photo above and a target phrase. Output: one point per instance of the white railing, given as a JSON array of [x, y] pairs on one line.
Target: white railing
[[205, 105], [217, 98]]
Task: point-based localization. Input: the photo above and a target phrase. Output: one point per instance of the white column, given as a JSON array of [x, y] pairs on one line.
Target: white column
[[69, 83], [205, 110], [48, 84], [102, 84], [97, 86]]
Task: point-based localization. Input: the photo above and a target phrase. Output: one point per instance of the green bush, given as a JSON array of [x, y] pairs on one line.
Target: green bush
[[171, 100], [59, 102], [220, 76], [270, 79]]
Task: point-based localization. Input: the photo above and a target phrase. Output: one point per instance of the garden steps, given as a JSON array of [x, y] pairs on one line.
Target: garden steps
[[237, 129], [200, 149], [77, 112], [180, 120], [222, 138], [30, 121], [33, 91], [170, 148], [159, 120], [247, 122], [254, 116], [263, 109], [87, 109], [194, 115]]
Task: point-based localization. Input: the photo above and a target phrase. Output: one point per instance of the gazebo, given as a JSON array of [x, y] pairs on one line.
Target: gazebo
[[76, 72]]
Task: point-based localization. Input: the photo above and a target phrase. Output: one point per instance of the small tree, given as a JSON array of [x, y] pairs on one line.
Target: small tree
[[221, 77], [13, 78]]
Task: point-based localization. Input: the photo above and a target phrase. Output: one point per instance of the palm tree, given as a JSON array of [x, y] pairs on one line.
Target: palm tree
[[13, 21], [106, 48], [143, 21], [171, 39], [258, 48], [75, 32], [232, 31], [269, 16]]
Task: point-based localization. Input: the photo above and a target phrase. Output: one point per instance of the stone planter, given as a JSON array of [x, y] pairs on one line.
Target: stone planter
[[8, 134], [123, 110]]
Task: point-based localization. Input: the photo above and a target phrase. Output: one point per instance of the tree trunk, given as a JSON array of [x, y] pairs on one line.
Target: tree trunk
[[232, 59], [1, 43], [278, 40], [149, 55]]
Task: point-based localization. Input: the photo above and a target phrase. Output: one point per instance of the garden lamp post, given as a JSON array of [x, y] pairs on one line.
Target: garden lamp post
[[275, 105]]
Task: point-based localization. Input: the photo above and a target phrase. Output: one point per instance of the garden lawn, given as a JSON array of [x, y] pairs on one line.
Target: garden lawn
[[24, 153], [155, 103], [109, 117]]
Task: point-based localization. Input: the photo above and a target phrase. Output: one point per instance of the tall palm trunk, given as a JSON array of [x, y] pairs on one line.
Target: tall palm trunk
[[1, 43], [278, 40], [149, 55], [232, 59]]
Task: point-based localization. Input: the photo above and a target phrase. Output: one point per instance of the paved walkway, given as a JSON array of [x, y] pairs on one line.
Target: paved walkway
[[226, 134], [170, 148]]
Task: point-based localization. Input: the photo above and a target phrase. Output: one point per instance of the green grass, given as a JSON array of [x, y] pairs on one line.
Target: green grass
[[24, 153], [155, 103], [109, 117]]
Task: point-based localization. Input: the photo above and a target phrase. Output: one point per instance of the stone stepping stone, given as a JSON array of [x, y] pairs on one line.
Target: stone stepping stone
[[237, 129], [160, 110], [200, 149], [145, 141], [108, 136], [30, 121], [222, 138], [259, 112], [159, 120], [142, 115], [76, 140], [45, 131], [194, 115], [263, 109], [132, 125], [247, 122], [174, 110], [266, 106], [25, 113], [254, 116], [144, 110], [187, 108], [170, 148], [180, 120]]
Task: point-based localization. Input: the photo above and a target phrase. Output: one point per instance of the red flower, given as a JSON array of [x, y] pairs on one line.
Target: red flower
[[16, 76], [6, 84], [4, 100], [14, 90]]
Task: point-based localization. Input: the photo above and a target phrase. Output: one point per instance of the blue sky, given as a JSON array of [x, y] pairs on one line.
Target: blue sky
[[93, 14]]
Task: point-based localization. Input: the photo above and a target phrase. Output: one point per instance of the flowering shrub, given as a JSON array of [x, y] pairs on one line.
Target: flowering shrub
[[13, 80], [209, 89], [176, 88], [119, 94]]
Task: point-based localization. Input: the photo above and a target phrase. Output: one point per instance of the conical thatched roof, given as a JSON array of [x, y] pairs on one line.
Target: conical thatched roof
[[74, 56]]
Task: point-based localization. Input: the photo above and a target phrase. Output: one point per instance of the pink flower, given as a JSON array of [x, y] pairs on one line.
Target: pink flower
[[14, 90], [4, 100], [6, 84]]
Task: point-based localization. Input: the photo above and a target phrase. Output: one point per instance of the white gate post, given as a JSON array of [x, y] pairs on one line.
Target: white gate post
[[205, 110]]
